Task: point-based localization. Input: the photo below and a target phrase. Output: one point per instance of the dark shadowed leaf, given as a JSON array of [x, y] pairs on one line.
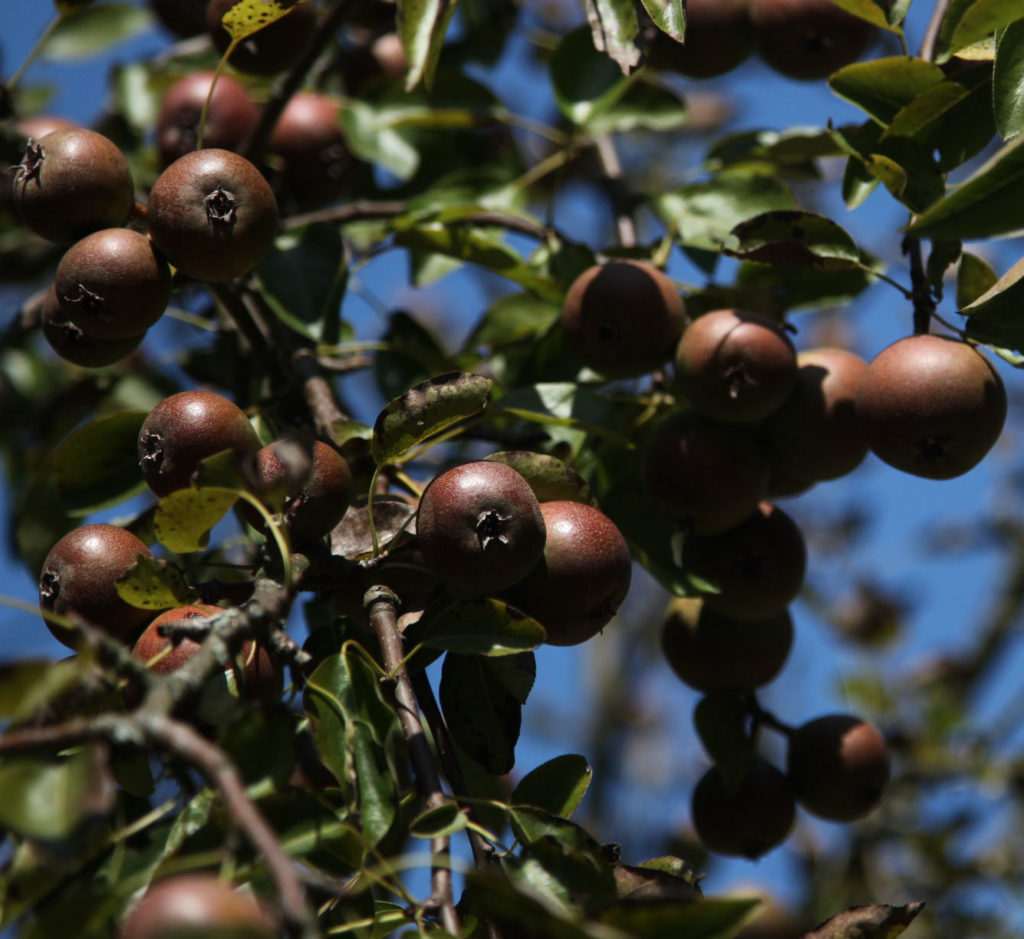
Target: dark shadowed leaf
[[550, 478], [644, 106], [1003, 302], [556, 786], [708, 918], [974, 277], [28, 685], [98, 464], [883, 87], [794, 239], [447, 819], [720, 721], [1008, 81], [412, 355], [586, 82], [425, 411], [869, 10], [874, 921]]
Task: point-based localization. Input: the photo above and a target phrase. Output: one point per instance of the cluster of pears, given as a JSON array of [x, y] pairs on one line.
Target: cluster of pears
[[755, 420], [801, 39]]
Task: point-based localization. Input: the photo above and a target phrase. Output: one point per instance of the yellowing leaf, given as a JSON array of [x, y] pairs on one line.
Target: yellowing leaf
[[248, 16]]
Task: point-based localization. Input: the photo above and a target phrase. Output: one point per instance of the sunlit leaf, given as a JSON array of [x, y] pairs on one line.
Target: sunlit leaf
[[184, 518], [669, 16], [154, 584], [485, 625], [422, 25], [613, 29], [245, 17], [1008, 81], [93, 30], [974, 277]]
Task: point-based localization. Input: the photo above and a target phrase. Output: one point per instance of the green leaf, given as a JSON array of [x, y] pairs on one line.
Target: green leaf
[[184, 518], [796, 288], [412, 354], [883, 87], [566, 404], [94, 30], [644, 106], [707, 918], [513, 317], [1008, 81], [550, 478], [28, 685], [484, 626], [482, 701], [669, 16], [1002, 302], [556, 786], [154, 584], [442, 820], [425, 411], [586, 83], [371, 135], [245, 17], [97, 465], [704, 214], [422, 25], [908, 170], [990, 203], [304, 279], [614, 28], [867, 10], [973, 278], [720, 721], [980, 20], [794, 239]]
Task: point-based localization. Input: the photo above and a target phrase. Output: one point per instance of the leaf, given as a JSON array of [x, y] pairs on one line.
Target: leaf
[[613, 29], [669, 16], [704, 214], [482, 700], [97, 465], [93, 30], [425, 411], [245, 17], [304, 279], [883, 87], [644, 106], [990, 203], [586, 83], [422, 25], [795, 239], [973, 278], [556, 786], [154, 584], [550, 478], [566, 404], [980, 20], [30, 684], [1002, 302], [707, 918], [1008, 81], [412, 354], [183, 519], [867, 10], [483, 626], [442, 820], [371, 135], [873, 921], [720, 722]]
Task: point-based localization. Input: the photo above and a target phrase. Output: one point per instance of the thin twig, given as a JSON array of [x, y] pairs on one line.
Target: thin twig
[[921, 291], [621, 202], [931, 36], [382, 608]]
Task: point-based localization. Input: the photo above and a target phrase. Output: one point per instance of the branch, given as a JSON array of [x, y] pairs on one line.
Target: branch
[[931, 36], [622, 204], [382, 608], [921, 291]]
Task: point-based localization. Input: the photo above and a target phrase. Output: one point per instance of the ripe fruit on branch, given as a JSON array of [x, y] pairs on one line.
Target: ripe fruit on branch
[[213, 214], [308, 140], [183, 430], [711, 652], [816, 434], [112, 284], [931, 406], [735, 365], [271, 49], [230, 117], [71, 182], [746, 820], [710, 475], [314, 506], [73, 345], [839, 766], [757, 566], [254, 670], [622, 318], [582, 577], [479, 527], [808, 39], [719, 36], [78, 579], [197, 906]]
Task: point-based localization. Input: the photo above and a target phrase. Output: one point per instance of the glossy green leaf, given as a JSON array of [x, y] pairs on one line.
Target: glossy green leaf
[[1008, 81], [979, 20], [556, 786], [974, 277], [550, 478], [708, 918], [704, 214], [585, 81], [1004, 300], [154, 584], [183, 519], [447, 819], [644, 106], [794, 239], [422, 25], [669, 16], [566, 874], [990, 203], [304, 279], [482, 701], [97, 465], [93, 30], [484, 626], [883, 87], [613, 28], [425, 411]]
